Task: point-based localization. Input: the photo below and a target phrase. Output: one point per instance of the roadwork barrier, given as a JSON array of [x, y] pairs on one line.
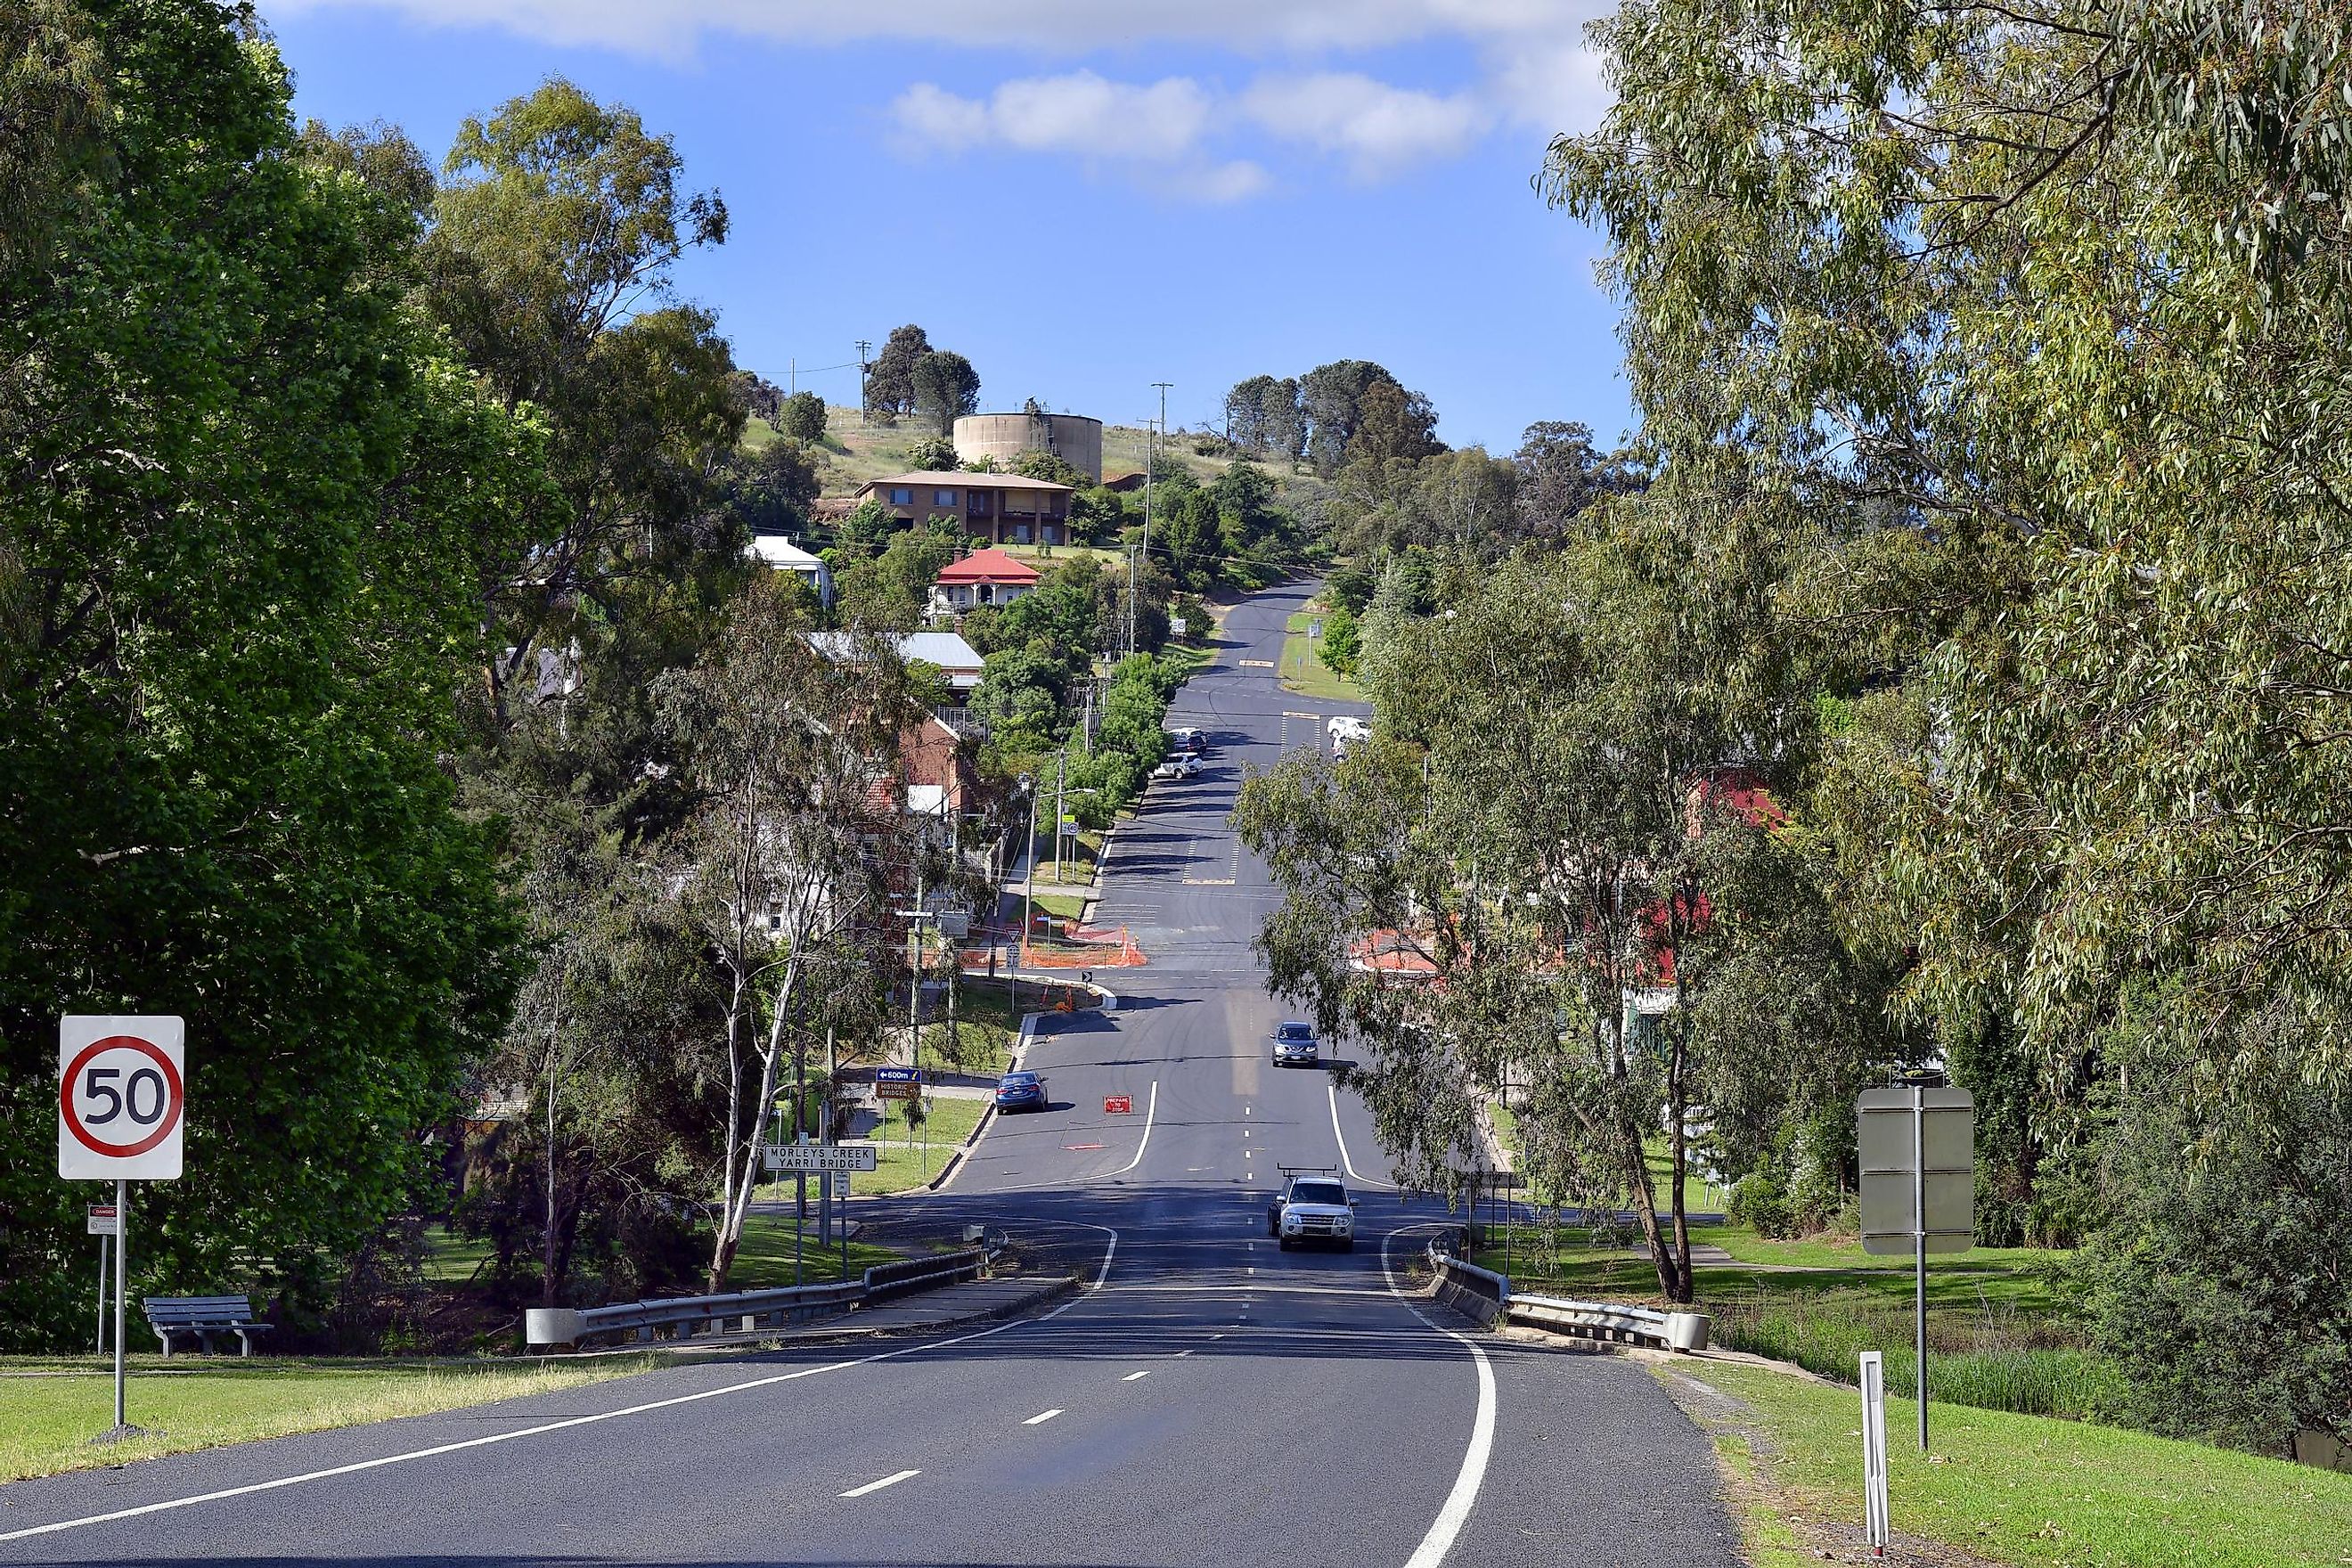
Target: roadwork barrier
[[748, 1311]]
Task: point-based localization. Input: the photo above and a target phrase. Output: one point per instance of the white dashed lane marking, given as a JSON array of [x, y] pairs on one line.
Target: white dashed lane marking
[[885, 1481]]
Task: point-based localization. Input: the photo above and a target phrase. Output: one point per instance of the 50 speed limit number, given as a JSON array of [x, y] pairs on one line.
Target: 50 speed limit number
[[121, 1098]]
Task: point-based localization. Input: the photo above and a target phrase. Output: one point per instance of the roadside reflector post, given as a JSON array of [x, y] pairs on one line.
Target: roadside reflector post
[[1873, 1450]]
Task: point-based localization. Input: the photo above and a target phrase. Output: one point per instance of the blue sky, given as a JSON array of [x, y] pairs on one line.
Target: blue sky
[[1085, 197]]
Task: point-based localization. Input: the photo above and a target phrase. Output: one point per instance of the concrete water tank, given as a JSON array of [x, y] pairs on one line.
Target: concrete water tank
[[1073, 437]]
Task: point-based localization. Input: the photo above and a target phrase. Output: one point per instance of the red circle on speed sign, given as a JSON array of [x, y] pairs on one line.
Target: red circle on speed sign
[[167, 1115]]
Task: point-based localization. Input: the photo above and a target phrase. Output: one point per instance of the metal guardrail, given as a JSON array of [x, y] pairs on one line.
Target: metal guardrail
[[749, 1311], [1487, 1295], [1475, 1292], [1613, 1322]]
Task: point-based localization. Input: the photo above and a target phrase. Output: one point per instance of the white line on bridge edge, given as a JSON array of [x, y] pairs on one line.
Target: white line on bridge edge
[[885, 1481], [1455, 1512], [1041, 1418], [170, 1504]]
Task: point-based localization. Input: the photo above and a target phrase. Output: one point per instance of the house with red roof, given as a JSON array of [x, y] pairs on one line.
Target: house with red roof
[[984, 577]]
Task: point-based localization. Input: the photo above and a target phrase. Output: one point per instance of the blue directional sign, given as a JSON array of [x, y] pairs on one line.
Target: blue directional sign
[[897, 1075]]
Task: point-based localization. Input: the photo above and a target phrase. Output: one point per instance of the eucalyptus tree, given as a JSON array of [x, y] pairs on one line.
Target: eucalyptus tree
[[790, 851], [1530, 878]]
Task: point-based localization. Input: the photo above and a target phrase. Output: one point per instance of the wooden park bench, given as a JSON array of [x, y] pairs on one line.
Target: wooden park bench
[[204, 1317]]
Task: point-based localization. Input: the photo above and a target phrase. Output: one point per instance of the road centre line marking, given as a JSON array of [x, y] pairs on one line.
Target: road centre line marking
[[885, 1481], [173, 1504], [1456, 1511], [1041, 1418], [1131, 1376]]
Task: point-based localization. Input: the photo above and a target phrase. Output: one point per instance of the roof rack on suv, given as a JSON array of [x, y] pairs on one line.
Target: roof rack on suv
[[1308, 1170]]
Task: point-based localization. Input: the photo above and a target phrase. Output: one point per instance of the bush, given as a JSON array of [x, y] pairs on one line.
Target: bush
[[933, 454], [803, 417], [2219, 1290]]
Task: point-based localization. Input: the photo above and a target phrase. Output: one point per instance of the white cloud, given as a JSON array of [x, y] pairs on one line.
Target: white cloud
[[1378, 127], [1536, 74], [1155, 130], [669, 28]]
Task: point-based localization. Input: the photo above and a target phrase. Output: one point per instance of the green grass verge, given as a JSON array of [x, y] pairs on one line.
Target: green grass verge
[[2026, 1491], [46, 1422], [764, 1260], [1061, 906], [1308, 676], [899, 1167]]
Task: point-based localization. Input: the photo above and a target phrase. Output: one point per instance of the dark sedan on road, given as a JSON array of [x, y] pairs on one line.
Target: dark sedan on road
[[1295, 1046], [1021, 1092]]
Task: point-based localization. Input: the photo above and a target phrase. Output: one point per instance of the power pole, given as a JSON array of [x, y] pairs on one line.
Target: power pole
[[1151, 479], [1061, 782], [865, 367]]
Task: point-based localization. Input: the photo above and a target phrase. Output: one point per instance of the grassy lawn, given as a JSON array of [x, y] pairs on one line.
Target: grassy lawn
[[764, 1261], [1189, 661], [2014, 1489], [1081, 852], [45, 1423], [900, 1167], [1308, 676], [1061, 906], [453, 1260]]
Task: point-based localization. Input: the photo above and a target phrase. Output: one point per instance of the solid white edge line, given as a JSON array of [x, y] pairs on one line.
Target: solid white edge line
[[1341, 1139], [1150, 1110], [891, 1481], [1042, 1417], [1455, 1512], [173, 1504]]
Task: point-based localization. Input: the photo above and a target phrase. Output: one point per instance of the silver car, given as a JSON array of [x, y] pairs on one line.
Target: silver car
[[1295, 1046]]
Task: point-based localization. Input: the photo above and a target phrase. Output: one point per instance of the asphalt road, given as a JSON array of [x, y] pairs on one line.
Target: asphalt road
[[1212, 1400]]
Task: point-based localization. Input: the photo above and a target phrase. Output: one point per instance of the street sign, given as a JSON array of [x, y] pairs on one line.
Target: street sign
[[1891, 1149], [1118, 1104], [104, 1220], [840, 1180], [1177, 626], [898, 1083], [1917, 1157], [121, 1098], [792, 1157]]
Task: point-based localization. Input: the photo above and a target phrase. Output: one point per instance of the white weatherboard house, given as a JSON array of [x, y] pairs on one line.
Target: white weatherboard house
[[781, 553], [957, 659]]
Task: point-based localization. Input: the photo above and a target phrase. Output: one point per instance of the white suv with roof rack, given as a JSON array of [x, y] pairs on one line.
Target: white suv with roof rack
[[1315, 1207]]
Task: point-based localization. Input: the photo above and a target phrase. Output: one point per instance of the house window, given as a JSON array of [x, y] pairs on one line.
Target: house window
[[943, 498], [977, 504], [902, 498]]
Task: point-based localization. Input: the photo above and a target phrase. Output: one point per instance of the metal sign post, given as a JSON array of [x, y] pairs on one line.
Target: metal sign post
[[1917, 1147], [1873, 1450], [121, 1110]]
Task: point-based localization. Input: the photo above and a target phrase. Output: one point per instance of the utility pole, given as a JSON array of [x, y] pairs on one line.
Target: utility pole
[[794, 375], [865, 367], [1061, 780], [1151, 479]]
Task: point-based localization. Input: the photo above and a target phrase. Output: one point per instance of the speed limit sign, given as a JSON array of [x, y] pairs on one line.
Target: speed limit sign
[[122, 1098]]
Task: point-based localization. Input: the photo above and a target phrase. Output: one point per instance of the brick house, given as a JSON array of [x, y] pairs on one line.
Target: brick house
[[1003, 509]]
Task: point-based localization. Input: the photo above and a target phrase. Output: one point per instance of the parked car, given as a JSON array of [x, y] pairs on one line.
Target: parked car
[[1190, 742], [1019, 1091], [1295, 1045], [1177, 767]]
